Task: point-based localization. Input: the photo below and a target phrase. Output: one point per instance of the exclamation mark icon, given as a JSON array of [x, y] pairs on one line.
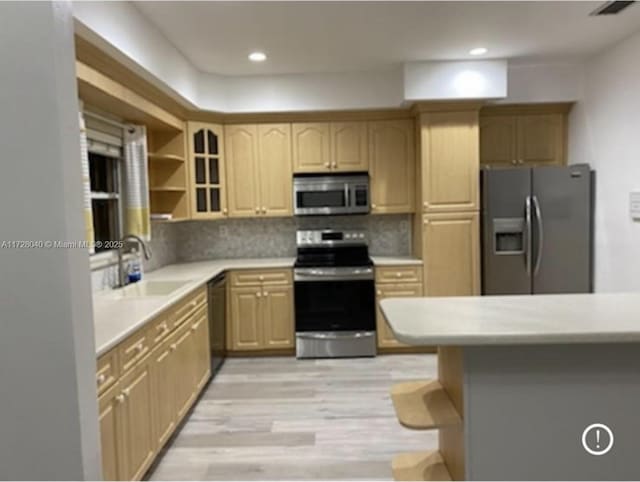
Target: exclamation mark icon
[[597, 438]]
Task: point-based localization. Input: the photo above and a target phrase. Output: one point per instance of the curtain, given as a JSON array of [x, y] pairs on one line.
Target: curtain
[[86, 186], [136, 182]]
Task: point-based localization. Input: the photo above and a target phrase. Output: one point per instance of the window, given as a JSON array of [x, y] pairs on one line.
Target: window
[[105, 147]]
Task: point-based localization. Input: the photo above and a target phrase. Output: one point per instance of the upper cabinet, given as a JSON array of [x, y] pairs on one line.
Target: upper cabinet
[[259, 169], [349, 149], [206, 166], [449, 161], [533, 135], [311, 147], [330, 147], [392, 166]]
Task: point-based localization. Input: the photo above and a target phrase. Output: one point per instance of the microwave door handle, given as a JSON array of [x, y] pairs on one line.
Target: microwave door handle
[[347, 195]]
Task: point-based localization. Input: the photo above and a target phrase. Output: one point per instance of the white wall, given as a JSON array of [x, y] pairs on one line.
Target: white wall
[[48, 415], [544, 82], [605, 131], [481, 79]]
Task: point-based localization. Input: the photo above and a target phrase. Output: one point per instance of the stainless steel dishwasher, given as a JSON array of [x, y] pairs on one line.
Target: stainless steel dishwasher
[[216, 291]]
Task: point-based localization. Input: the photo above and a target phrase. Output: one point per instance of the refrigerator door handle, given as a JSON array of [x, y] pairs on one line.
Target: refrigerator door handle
[[540, 235], [528, 246]]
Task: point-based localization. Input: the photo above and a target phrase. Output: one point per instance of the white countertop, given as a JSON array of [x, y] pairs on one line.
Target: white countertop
[[512, 320], [396, 261], [116, 319]]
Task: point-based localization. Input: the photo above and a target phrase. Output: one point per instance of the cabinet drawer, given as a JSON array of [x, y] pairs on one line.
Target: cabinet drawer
[[134, 349], [187, 305], [399, 274], [160, 328], [261, 277], [107, 370]]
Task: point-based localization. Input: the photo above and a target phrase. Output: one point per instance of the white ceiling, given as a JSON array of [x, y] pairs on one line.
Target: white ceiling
[[301, 37]]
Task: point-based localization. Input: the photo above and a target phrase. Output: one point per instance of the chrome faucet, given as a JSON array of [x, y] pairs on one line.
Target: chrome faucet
[[146, 250]]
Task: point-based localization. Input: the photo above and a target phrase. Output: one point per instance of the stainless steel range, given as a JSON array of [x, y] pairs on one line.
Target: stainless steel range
[[334, 295]]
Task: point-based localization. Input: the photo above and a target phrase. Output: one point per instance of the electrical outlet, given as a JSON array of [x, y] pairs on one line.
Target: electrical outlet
[[634, 205]]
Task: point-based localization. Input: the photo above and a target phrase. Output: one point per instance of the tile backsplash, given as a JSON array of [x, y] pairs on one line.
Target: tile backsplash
[[275, 237], [389, 235]]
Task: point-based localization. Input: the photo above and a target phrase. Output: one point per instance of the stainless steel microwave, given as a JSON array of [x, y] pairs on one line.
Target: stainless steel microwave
[[335, 194]]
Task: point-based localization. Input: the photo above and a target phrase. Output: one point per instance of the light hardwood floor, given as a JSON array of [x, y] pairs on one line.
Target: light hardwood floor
[[284, 419]]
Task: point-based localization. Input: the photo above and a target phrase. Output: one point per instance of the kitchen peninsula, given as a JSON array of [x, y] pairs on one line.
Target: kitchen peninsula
[[522, 381]]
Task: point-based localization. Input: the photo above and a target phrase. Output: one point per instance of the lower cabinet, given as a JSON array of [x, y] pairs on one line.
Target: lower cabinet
[[394, 282], [140, 412], [261, 315], [385, 335], [451, 253]]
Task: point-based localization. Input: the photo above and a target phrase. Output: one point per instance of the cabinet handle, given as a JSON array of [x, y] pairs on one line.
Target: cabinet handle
[[194, 327], [327, 165], [173, 347], [126, 392], [426, 221], [120, 398], [225, 211], [139, 348], [194, 303], [425, 204], [379, 293], [334, 165], [264, 210], [373, 206], [261, 278], [514, 162], [257, 210], [101, 379], [520, 161], [258, 294], [266, 293], [398, 275]]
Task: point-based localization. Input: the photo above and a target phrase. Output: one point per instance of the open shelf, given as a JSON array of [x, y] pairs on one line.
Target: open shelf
[[420, 466], [423, 405], [165, 157], [167, 189]]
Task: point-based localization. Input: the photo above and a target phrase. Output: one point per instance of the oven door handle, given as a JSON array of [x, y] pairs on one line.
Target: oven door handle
[[336, 274], [335, 335]]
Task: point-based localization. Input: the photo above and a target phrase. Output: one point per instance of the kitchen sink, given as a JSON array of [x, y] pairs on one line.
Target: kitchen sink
[[144, 289]]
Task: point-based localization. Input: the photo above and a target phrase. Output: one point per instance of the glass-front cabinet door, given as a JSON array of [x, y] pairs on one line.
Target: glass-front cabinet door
[[206, 158]]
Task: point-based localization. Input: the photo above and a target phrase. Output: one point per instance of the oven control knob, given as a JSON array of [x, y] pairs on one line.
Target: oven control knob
[[361, 235]]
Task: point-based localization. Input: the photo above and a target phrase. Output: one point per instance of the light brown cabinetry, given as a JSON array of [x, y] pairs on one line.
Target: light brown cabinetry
[[392, 166], [259, 169], [311, 147], [207, 171], [261, 311], [349, 149], [451, 253], [330, 147], [394, 282], [449, 161], [524, 135], [164, 367]]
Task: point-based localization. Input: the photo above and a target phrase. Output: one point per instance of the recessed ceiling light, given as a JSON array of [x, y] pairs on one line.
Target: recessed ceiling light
[[257, 56], [478, 51]]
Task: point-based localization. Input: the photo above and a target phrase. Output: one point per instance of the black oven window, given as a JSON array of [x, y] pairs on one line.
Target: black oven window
[[319, 199]]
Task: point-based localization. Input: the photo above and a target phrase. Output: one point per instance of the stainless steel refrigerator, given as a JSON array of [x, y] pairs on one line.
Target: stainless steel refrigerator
[[537, 230]]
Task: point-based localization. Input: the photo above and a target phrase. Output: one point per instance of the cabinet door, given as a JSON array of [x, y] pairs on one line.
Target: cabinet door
[[246, 318], [349, 149], [276, 177], [206, 171], [164, 383], [241, 149], [498, 140], [450, 161], [451, 253], [541, 139], [201, 351], [392, 166], [385, 335], [110, 440], [311, 147], [137, 422], [185, 378], [278, 317]]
